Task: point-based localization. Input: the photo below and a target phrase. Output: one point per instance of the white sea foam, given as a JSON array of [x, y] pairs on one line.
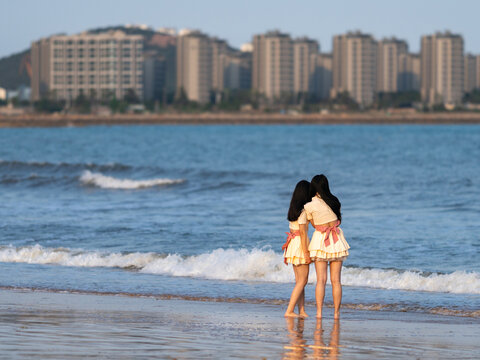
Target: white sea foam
[[109, 182], [240, 264]]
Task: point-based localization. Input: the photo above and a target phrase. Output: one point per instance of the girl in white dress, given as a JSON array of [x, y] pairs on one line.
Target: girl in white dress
[[296, 247], [328, 246]]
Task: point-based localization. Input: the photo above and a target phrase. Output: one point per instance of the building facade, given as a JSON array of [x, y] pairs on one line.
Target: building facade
[[389, 52], [220, 49], [477, 67], [355, 67], [442, 68], [236, 71], [409, 72], [322, 70], [162, 49], [272, 68], [98, 66], [470, 73], [155, 71], [194, 66], [304, 51]]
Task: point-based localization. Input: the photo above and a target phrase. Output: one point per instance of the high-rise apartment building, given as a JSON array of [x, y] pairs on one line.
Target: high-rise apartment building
[[96, 65], [304, 51], [194, 65], [40, 53], [272, 68], [409, 72], [236, 70], [154, 71], [207, 66], [442, 69], [477, 69], [354, 67], [389, 53], [322, 69], [219, 49], [160, 65], [470, 73]]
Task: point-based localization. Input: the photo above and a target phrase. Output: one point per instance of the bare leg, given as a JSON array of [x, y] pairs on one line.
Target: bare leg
[[301, 299], [335, 278], [301, 304], [301, 278], [287, 314], [321, 269]]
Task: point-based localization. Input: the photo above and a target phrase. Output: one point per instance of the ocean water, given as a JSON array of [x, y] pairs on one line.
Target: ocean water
[[200, 211]]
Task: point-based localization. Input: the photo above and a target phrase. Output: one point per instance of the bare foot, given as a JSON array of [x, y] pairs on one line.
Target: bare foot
[[336, 316], [303, 314], [319, 315], [291, 314]]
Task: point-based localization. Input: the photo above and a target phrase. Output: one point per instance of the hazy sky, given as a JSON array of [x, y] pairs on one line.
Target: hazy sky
[[22, 21]]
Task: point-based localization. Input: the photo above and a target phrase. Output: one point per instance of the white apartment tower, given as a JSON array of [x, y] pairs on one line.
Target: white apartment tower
[[272, 68], [442, 69], [354, 67], [304, 51], [194, 66], [390, 52], [95, 65]]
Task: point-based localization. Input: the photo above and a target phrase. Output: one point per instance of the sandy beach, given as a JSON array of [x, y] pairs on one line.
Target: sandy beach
[[371, 117], [52, 325]]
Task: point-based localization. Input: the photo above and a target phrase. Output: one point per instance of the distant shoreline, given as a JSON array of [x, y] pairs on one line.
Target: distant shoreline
[[62, 120]]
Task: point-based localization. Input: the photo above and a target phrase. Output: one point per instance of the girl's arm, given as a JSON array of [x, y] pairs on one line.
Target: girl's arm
[[304, 241]]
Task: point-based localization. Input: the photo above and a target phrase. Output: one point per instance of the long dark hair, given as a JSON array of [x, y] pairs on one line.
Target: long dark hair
[[319, 184], [300, 196]]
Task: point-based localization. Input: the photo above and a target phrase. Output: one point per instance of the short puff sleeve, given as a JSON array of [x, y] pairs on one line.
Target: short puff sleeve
[[302, 219], [308, 212]]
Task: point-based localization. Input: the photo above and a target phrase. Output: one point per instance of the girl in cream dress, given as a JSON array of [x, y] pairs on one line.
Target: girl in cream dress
[[328, 246], [295, 249]]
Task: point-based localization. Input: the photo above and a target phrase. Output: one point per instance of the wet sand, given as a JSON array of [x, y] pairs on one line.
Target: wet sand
[[52, 325]]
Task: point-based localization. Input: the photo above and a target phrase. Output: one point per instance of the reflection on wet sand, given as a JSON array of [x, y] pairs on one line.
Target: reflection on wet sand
[[320, 349], [298, 348]]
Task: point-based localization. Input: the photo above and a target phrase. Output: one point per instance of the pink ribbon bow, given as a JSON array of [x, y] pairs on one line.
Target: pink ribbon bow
[[290, 235], [334, 230]]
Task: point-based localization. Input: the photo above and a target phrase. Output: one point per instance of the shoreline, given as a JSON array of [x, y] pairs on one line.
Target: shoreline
[[372, 118], [64, 325], [474, 315]]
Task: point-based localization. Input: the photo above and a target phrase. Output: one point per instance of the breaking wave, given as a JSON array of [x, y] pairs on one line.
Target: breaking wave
[[110, 182], [240, 264]]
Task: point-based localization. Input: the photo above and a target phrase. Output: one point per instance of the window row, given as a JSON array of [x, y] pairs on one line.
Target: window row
[[93, 66], [101, 42], [92, 79], [92, 52]]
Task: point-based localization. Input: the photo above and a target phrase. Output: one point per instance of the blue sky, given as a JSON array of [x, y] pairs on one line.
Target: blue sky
[[22, 21]]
